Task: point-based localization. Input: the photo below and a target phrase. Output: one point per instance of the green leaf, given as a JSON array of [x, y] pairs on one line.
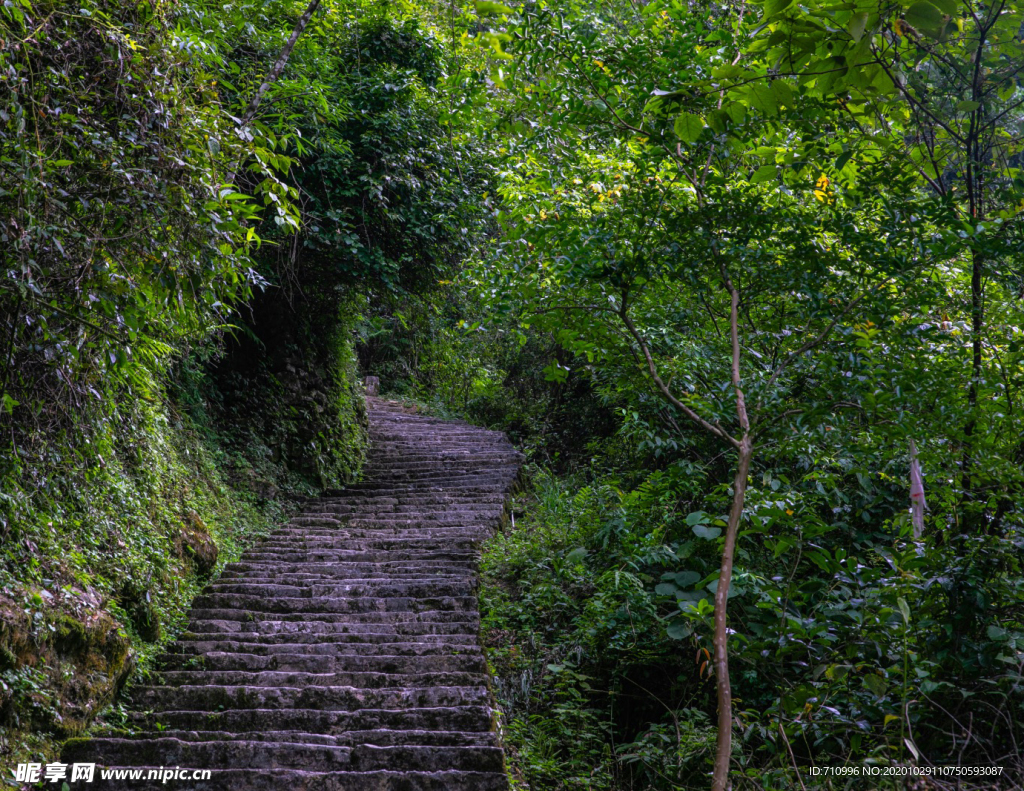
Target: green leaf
[[855, 27], [485, 8], [689, 127], [948, 7], [842, 159], [763, 173], [685, 579], [995, 633], [737, 112], [775, 7], [679, 629], [875, 683], [763, 98], [719, 120], [707, 533], [665, 589], [577, 555], [925, 17], [62, 163], [784, 94], [696, 518], [967, 106], [904, 609]]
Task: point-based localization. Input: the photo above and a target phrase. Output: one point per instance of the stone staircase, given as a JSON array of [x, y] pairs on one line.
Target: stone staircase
[[342, 653]]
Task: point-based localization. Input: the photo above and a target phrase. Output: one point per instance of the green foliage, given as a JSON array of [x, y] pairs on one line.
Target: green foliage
[[660, 157], [120, 241], [100, 561]]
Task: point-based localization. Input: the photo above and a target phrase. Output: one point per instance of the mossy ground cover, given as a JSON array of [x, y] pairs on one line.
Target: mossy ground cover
[[103, 555]]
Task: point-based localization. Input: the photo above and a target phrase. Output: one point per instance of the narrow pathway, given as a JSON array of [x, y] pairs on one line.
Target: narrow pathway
[[343, 652]]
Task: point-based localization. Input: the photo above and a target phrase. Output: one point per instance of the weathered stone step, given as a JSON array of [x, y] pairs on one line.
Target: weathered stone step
[[468, 620], [215, 755], [348, 497], [330, 642], [378, 665], [376, 555], [184, 651], [408, 513], [489, 514], [381, 542], [463, 459], [385, 527], [350, 576], [380, 737], [249, 754], [424, 565], [337, 604], [387, 629], [211, 697], [440, 478], [288, 677], [464, 486], [321, 521], [458, 718], [348, 589]]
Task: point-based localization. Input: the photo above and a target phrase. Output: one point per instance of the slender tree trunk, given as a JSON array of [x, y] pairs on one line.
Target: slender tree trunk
[[723, 754], [282, 61], [272, 75], [720, 781], [977, 325]]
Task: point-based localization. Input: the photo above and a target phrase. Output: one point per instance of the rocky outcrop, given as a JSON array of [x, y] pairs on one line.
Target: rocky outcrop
[[343, 652]]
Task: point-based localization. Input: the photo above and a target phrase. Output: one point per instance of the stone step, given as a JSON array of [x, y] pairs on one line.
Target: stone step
[[348, 589], [373, 499], [304, 582], [468, 620], [215, 754], [378, 665], [342, 511], [376, 555], [328, 521], [294, 677], [380, 737], [342, 653], [457, 718], [426, 566], [377, 543], [337, 604], [449, 645], [211, 697], [261, 754], [382, 527], [465, 486], [386, 630]]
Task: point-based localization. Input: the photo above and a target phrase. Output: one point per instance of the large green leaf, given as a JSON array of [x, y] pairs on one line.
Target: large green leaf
[[689, 127], [761, 97], [856, 25], [706, 532], [925, 17]]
